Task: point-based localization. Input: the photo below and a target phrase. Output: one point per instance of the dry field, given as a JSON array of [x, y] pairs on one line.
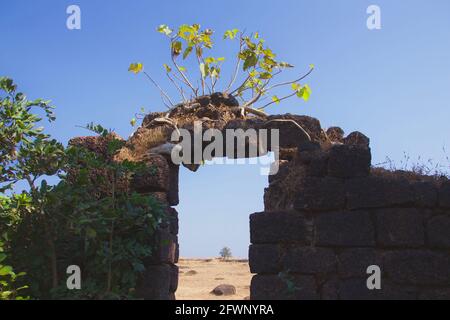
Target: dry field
[[198, 277]]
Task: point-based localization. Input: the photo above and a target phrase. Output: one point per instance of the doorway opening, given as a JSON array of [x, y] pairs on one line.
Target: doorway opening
[[214, 209]]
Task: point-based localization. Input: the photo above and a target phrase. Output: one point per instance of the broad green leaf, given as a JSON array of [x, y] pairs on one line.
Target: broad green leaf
[[6, 270], [167, 67], [312, 66], [187, 52], [268, 53], [250, 61], [304, 92], [133, 122], [177, 47], [276, 99], [183, 69], [164, 29], [221, 59], [230, 34], [215, 72], [296, 86], [136, 67], [210, 60], [91, 233], [2, 257], [185, 31], [204, 70], [265, 75]]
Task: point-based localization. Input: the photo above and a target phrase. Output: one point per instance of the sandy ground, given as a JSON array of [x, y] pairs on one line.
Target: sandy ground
[[198, 277]]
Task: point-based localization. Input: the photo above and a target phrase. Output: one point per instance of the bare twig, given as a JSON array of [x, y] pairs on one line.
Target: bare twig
[[200, 60], [291, 82], [238, 66], [186, 80], [241, 86], [158, 86], [281, 99], [177, 86]]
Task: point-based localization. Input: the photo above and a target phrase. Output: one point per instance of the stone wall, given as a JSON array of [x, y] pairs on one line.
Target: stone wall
[[328, 217], [160, 279]]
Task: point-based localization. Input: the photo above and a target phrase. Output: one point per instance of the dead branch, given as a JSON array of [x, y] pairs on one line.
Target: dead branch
[[159, 88], [291, 82], [238, 66]]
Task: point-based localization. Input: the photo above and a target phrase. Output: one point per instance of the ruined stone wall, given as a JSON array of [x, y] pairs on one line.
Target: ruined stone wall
[[160, 279], [328, 217]]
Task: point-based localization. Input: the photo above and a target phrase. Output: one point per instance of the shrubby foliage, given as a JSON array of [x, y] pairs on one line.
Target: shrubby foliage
[[90, 218], [255, 60]]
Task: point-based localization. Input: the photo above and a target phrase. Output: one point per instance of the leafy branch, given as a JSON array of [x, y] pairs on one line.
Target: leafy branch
[[255, 63]]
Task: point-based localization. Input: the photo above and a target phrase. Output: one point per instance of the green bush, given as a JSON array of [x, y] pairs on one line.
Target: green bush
[[90, 218]]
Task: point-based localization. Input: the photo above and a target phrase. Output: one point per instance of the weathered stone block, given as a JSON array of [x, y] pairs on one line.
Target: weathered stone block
[[283, 171], [156, 178], [344, 229], [438, 231], [320, 194], [311, 125], [173, 221], [97, 144], [277, 227], [354, 262], [336, 134], [330, 289], [425, 194], [264, 258], [378, 192], [348, 161], [400, 227], [161, 197], [309, 260], [313, 159], [174, 273], [357, 138], [444, 195], [155, 283], [390, 291], [165, 250], [356, 289], [291, 134], [435, 294], [417, 267], [173, 192], [277, 287]]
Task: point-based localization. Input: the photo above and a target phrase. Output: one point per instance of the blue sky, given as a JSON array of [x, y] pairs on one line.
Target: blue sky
[[392, 84]]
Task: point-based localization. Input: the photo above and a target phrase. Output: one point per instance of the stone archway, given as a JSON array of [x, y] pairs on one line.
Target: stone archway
[[328, 215]]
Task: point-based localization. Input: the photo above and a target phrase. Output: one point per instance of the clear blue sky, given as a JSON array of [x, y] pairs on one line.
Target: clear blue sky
[[392, 84]]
